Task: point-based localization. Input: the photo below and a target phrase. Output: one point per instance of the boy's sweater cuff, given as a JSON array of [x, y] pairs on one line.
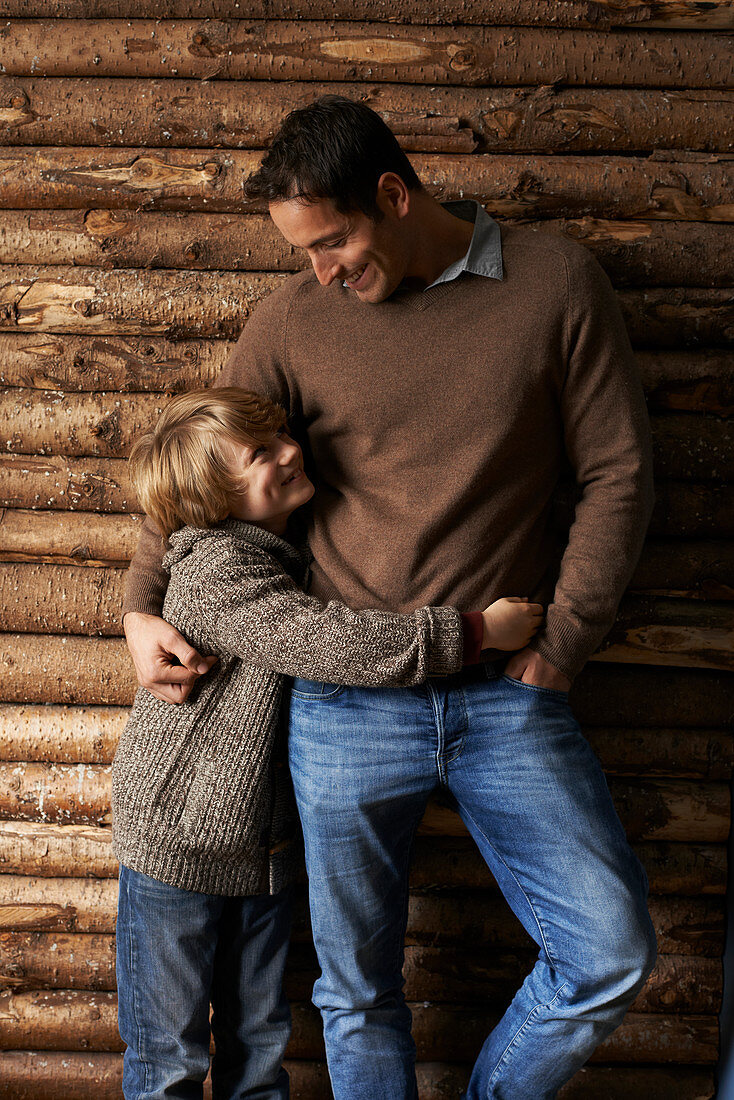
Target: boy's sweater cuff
[[445, 641], [472, 625]]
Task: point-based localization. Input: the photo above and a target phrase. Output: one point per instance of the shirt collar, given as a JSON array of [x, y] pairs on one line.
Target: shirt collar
[[484, 255]]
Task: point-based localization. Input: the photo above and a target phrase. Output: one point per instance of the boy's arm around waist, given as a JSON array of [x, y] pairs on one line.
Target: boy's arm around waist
[[253, 609]]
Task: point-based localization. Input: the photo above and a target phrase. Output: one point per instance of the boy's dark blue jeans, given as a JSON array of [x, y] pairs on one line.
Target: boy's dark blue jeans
[[177, 950], [533, 795]]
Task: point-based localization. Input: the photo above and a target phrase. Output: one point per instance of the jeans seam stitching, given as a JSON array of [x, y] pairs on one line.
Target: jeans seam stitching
[[528, 1019], [520, 887]]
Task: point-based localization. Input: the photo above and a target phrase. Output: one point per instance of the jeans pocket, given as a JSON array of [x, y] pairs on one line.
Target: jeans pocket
[[557, 692], [315, 689]]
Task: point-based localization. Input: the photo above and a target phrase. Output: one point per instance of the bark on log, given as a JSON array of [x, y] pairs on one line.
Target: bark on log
[[76, 484], [633, 253], [84, 905], [70, 851], [196, 114], [68, 538], [715, 14], [32, 1075], [696, 570], [180, 304], [281, 49], [80, 1020], [677, 629], [89, 364], [171, 303], [60, 599], [695, 381], [57, 960], [650, 809], [27, 848], [692, 511], [695, 187], [89, 735], [37, 669]]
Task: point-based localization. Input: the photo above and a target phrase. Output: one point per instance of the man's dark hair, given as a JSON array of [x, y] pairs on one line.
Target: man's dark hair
[[333, 149]]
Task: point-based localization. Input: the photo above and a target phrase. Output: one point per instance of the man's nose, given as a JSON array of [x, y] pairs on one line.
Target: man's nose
[[325, 269]]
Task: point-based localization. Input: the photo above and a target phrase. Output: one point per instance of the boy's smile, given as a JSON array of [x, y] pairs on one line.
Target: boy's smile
[[272, 481]]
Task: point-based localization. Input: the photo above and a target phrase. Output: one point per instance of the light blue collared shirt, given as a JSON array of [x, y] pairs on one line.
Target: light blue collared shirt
[[484, 255]]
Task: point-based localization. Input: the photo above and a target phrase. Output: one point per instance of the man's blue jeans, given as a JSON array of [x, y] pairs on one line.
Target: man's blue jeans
[[176, 951], [533, 796]]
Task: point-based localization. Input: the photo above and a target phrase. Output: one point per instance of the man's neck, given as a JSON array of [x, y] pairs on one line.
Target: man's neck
[[439, 239]]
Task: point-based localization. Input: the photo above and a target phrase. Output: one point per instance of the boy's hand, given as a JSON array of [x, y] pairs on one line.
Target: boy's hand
[[153, 645], [510, 623]]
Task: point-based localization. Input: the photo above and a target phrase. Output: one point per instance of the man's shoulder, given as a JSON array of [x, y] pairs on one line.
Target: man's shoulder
[[533, 251]]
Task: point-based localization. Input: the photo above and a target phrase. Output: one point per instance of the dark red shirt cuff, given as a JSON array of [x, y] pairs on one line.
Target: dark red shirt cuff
[[472, 625]]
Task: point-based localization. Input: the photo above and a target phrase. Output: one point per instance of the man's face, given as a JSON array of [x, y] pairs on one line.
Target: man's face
[[371, 257]]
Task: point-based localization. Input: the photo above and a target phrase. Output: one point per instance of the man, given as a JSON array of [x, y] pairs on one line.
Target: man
[[440, 372]]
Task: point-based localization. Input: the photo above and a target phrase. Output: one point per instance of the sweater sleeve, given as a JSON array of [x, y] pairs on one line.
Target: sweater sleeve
[[607, 440], [251, 608], [257, 363]]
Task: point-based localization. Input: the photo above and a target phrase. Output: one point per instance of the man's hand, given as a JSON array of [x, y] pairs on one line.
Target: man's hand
[[153, 643], [531, 668]]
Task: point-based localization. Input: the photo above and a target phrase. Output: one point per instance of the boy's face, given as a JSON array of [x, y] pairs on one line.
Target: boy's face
[[371, 257], [273, 483]]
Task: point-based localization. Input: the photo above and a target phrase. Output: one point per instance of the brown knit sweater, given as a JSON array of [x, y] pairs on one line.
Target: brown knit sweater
[[437, 425], [196, 801]]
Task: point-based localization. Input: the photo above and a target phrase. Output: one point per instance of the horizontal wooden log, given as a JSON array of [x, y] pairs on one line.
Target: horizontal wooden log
[[68, 362], [38, 668], [650, 810], [695, 381], [58, 904], [694, 187], [61, 599], [70, 851], [47, 422], [196, 114], [72, 538], [691, 569], [217, 303], [691, 511], [131, 302], [714, 14], [36, 1075], [52, 851], [79, 735], [659, 631], [80, 1020], [57, 960], [285, 50], [633, 253]]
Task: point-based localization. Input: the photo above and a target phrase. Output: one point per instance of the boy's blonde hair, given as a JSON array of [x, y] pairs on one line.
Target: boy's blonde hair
[[181, 470]]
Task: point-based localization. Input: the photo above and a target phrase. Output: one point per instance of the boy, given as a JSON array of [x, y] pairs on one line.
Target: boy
[[203, 821]]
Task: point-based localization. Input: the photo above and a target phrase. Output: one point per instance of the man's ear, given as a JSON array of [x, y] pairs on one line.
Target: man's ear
[[392, 194]]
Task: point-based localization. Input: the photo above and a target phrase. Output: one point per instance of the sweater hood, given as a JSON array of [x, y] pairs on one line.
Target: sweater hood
[[182, 543]]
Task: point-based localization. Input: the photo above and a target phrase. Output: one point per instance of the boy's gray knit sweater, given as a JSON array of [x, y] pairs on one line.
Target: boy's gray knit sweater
[[198, 798]]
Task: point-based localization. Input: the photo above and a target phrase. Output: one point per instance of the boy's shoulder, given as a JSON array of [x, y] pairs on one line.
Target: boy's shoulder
[[231, 547]]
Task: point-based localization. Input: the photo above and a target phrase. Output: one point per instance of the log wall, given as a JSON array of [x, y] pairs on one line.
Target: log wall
[[128, 266]]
